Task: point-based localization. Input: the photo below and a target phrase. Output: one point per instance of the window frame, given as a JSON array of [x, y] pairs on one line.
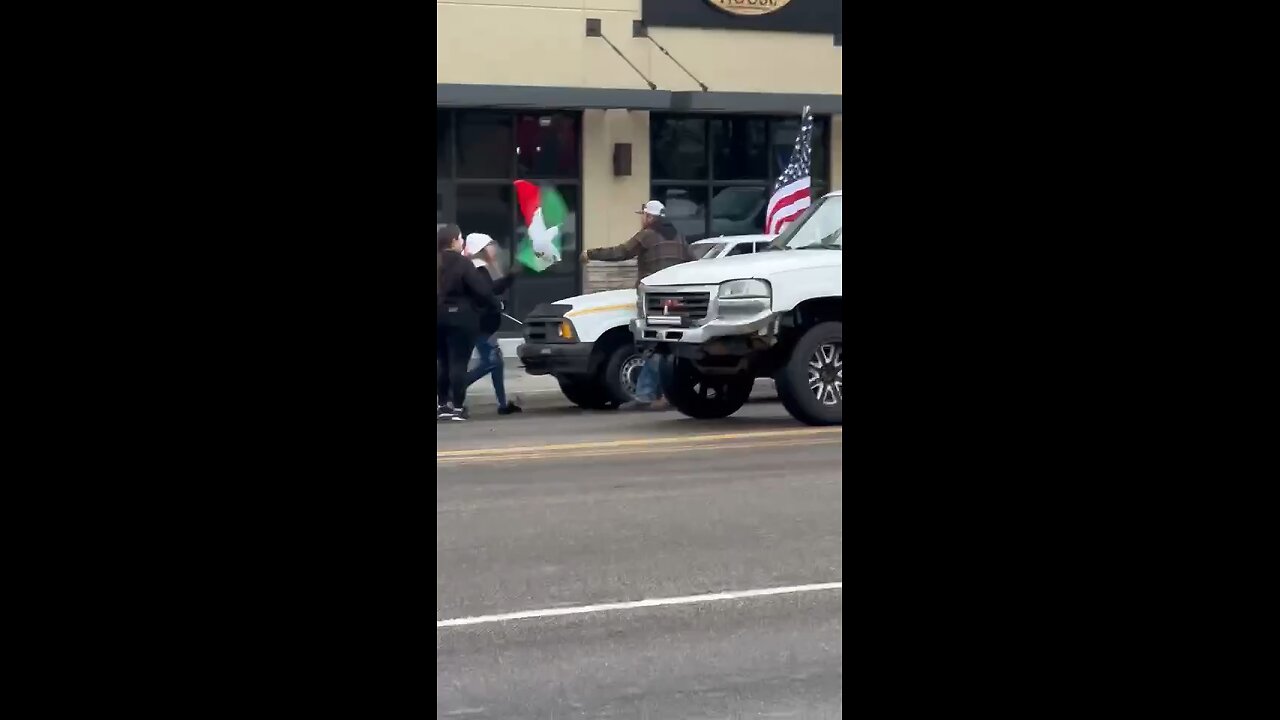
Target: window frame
[[452, 182], [710, 182]]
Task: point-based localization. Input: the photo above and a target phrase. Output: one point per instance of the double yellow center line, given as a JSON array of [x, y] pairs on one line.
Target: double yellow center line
[[684, 443]]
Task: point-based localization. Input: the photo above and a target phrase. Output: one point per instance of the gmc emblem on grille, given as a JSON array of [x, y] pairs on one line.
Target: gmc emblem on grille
[[671, 304]]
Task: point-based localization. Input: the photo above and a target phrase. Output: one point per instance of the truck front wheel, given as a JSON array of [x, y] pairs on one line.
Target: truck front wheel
[[811, 384], [621, 370], [706, 397]]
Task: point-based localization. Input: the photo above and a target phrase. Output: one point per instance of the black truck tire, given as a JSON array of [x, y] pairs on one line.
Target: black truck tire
[[587, 393], [811, 384], [620, 370], [705, 397]]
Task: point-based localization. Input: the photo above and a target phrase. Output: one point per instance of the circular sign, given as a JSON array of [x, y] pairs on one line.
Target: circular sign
[[748, 7]]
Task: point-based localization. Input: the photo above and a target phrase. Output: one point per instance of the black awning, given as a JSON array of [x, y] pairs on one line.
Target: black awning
[[747, 102], [539, 97], [570, 98]]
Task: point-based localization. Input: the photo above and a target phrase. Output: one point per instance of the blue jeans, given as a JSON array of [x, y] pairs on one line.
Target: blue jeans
[[490, 362], [649, 384]]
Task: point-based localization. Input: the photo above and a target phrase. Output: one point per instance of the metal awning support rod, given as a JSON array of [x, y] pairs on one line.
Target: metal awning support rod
[[677, 62], [593, 30]]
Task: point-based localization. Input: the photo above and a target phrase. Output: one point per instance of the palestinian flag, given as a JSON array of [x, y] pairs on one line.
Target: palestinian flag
[[544, 213]]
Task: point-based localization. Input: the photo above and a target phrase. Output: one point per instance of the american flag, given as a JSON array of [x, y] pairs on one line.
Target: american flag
[[791, 193]]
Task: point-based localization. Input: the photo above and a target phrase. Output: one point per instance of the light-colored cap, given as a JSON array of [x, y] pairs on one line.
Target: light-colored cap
[[653, 207], [476, 242]]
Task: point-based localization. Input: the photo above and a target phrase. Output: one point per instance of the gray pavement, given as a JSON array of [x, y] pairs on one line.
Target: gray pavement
[[748, 502]]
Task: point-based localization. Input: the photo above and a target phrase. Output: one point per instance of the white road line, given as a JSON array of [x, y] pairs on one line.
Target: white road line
[[655, 602]]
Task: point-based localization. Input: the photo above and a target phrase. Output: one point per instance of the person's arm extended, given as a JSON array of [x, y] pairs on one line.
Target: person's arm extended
[[625, 251]]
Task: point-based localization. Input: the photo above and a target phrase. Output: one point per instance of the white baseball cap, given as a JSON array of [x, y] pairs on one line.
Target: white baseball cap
[[653, 207], [476, 242]]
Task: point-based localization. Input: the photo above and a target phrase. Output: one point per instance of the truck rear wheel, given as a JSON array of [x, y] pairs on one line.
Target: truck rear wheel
[[706, 397], [587, 393], [811, 384]]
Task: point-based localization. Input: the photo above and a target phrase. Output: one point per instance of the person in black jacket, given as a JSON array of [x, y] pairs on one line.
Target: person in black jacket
[[482, 250], [461, 300]]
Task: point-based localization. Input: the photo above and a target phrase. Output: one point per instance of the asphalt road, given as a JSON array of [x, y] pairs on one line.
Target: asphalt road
[[559, 508]]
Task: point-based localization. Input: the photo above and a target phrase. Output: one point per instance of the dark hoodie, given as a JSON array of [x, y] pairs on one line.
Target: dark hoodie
[[491, 318], [464, 296], [657, 247]]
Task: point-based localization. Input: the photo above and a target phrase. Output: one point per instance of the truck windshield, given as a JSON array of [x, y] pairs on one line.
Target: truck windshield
[[819, 228]]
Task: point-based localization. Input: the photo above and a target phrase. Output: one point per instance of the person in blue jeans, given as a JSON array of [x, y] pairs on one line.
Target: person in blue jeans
[[649, 383], [482, 251], [491, 364], [658, 246]]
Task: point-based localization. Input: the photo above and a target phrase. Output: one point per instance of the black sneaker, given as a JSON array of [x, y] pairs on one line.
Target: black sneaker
[[460, 415], [444, 412], [510, 409]]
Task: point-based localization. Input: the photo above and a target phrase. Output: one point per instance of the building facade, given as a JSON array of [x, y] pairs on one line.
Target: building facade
[[605, 101]]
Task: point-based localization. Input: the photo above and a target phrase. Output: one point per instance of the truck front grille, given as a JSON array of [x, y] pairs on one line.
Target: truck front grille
[[542, 325], [690, 305]]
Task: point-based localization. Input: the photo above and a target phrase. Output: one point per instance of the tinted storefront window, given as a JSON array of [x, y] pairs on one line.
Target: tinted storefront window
[[678, 148], [686, 208], [479, 155], [715, 173], [485, 145], [738, 209], [442, 145], [740, 147], [487, 209], [547, 146]]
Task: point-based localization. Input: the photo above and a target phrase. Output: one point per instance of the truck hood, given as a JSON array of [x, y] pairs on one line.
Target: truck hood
[[601, 299], [758, 265]]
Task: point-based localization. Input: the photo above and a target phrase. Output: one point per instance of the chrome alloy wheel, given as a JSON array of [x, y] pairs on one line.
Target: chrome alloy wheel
[[630, 373], [826, 373]]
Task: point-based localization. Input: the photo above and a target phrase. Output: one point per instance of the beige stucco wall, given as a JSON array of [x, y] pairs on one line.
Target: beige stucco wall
[[610, 202], [543, 42]]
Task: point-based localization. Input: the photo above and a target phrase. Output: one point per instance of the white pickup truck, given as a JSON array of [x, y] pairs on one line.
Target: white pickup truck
[[721, 324], [585, 342]]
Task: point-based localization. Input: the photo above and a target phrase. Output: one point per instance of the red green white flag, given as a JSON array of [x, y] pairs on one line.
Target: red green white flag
[[544, 214]]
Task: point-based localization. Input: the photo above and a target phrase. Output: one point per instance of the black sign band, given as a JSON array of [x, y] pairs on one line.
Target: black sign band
[[806, 16]]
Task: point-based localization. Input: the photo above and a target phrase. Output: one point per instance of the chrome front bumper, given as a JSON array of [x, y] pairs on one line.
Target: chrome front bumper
[[726, 317], [649, 334]]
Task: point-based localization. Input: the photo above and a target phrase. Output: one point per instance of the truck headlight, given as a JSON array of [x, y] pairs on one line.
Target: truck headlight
[[743, 289], [565, 330]]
